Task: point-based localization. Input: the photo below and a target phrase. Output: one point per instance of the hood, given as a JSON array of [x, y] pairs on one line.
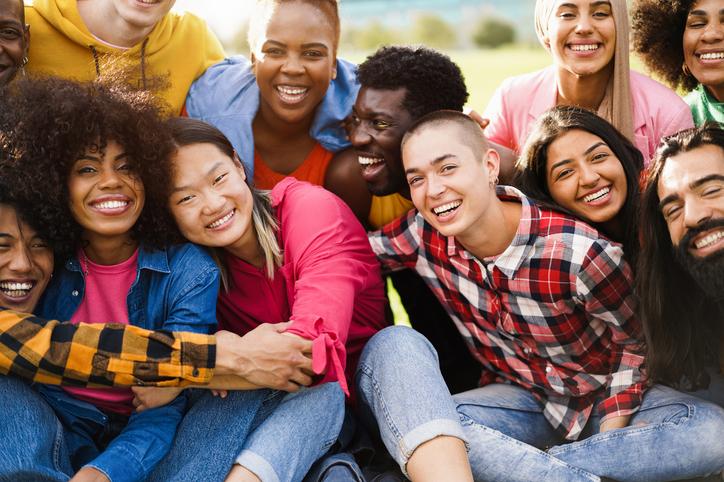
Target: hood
[[64, 16]]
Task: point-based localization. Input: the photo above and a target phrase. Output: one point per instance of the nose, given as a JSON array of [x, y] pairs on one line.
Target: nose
[[358, 135], [214, 203], [588, 176], [292, 65], [696, 213], [714, 32], [435, 186], [584, 25], [109, 179], [21, 261]]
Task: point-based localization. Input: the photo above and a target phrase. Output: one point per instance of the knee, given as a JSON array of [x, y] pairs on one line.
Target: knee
[[397, 344], [708, 430]]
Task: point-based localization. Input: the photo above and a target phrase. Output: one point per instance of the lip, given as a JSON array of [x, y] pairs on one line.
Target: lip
[[447, 217], [111, 211], [585, 53], [711, 248], [371, 171], [147, 4], [701, 52], [605, 199], [291, 99], [13, 300], [232, 216]]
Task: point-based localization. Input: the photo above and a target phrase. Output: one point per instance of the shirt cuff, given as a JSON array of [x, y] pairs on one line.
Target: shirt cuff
[[622, 403], [119, 466]]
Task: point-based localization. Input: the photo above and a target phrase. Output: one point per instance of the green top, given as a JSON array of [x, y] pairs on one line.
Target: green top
[[704, 107]]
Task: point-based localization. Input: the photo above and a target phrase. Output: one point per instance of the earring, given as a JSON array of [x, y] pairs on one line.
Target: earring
[[494, 182], [23, 63], [685, 69]]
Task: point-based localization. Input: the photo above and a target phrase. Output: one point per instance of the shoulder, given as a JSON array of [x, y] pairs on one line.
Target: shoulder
[[225, 86], [528, 81], [190, 260], [653, 96], [300, 195], [187, 21]]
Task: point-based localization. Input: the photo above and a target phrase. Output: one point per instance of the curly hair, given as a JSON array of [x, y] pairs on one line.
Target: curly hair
[[49, 124], [658, 27], [433, 81]]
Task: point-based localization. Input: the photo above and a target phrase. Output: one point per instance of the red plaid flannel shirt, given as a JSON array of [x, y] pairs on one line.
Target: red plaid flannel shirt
[[554, 313]]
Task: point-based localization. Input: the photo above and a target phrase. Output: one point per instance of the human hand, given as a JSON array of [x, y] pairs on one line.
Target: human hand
[[614, 423], [152, 397], [89, 474], [482, 122], [270, 358]]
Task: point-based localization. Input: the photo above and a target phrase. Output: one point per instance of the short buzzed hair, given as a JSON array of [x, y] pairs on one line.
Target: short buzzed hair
[[469, 132]]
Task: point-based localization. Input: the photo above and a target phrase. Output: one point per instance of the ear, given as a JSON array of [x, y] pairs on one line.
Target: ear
[[26, 34], [253, 63], [492, 163], [334, 70], [547, 42]]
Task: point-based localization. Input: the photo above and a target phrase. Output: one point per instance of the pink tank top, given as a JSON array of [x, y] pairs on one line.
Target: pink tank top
[[104, 300]]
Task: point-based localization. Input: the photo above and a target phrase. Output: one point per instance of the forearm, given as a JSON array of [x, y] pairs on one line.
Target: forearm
[[228, 382], [92, 354]]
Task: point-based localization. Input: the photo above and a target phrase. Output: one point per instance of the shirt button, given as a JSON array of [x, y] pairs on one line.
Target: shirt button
[[74, 293], [526, 351], [548, 369], [195, 372]]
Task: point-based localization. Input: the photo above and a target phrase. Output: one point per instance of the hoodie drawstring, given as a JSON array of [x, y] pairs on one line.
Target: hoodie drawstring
[[96, 60]]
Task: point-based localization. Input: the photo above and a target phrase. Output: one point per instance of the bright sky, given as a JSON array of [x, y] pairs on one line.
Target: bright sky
[[224, 16]]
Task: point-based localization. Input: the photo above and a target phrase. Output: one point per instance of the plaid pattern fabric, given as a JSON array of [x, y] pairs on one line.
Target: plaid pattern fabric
[[554, 313], [47, 351]]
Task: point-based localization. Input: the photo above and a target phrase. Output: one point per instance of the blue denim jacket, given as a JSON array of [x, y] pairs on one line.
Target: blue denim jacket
[[175, 289], [227, 96]]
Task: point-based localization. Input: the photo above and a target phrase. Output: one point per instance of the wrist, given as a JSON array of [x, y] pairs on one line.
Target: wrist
[[229, 359]]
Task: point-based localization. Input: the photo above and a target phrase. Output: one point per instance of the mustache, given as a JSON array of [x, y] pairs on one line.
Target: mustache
[[686, 240]]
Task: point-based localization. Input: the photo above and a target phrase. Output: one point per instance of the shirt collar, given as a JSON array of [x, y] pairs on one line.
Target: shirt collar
[[153, 260], [510, 260]]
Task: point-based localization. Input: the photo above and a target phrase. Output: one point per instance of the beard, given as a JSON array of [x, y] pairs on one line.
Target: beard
[[707, 272]]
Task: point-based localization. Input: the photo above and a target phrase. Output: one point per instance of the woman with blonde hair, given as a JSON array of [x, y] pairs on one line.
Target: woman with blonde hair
[[589, 43]]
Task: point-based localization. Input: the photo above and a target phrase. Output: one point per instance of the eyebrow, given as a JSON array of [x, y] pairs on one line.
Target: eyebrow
[[693, 185], [594, 4], [208, 173], [585, 153], [702, 13], [315, 45], [90, 157], [434, 162]]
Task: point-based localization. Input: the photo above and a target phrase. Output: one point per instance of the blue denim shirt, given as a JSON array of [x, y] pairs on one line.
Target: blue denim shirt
[[175, 289], [227, 96]]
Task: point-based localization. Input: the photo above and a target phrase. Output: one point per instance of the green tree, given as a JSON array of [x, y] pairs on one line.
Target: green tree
[[372, 36], [493, 33], [433, 31]]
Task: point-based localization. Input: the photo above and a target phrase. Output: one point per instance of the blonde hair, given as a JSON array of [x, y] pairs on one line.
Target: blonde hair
[[266, 227], [616, 105]]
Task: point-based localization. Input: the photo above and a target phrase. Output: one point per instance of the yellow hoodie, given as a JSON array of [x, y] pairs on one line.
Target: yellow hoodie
[[177, 51]]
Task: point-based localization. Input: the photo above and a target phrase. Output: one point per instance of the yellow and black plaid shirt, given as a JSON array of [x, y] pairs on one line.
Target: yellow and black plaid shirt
[[47, 351]]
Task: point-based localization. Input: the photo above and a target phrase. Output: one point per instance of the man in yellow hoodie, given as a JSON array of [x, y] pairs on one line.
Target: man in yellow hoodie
[[156, 49]]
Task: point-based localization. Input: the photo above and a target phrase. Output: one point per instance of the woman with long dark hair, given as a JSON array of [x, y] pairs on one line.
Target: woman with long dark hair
[[578, 163]]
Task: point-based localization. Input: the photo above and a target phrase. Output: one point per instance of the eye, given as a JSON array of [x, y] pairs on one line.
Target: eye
[[599, 156], [185, 199], [601, 14], [562, 174], [671, 212], [39, 244], [712, 191], [10, 33], [313, 53], [127, 166], [220, 178], [448, 168], [273, 51], [381, 125], [567, 15], [86, 170], [414, 181]]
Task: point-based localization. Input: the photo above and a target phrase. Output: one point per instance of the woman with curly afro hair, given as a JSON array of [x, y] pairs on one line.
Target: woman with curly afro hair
[[95, 150], [682, 41], [589, 44]]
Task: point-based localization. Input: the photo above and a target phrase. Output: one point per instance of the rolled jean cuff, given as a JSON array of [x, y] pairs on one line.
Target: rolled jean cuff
[[441, 427], [258, 465]]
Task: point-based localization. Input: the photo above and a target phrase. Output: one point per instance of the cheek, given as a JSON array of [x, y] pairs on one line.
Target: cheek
[[563, 193], [187, 222]]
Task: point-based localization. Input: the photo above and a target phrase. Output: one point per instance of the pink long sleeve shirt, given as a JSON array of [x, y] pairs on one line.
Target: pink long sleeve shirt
[[329, 284], [519, 101]]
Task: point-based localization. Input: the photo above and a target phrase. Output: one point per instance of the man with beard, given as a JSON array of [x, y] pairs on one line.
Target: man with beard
[[681, 274]]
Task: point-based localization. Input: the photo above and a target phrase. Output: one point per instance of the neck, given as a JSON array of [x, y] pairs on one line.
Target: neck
[[585, 91], [104, 23], [248, 249], [266, 122], [716, 91], [491, 236], [613, 229], [108, 250]]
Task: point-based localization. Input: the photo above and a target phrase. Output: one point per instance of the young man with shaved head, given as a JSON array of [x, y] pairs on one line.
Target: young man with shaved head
[[545, 305]]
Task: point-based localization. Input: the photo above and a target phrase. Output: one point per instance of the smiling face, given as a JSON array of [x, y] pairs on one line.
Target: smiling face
[[378, 123], [703, 44], [691, 190], [585, 177], [210, 200], [582, 36], [142, 14], [106, 194], [295, 63], [13, 39], [449, 182], [26, 263]]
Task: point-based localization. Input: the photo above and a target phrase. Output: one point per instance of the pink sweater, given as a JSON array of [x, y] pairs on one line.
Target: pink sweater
[[329, 284], [519, 101]]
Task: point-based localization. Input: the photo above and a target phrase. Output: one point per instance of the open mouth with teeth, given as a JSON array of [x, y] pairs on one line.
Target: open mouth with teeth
[[710, 56], [111, 206], [290, 94], [598, 196], [223, 221], [446, 210], [709, 240], [584, 48], [370, 166], [17, 290]]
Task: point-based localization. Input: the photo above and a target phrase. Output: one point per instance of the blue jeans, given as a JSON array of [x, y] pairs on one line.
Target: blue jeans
[[401, 389], [672, 436], [32, 445], [276, 435]]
